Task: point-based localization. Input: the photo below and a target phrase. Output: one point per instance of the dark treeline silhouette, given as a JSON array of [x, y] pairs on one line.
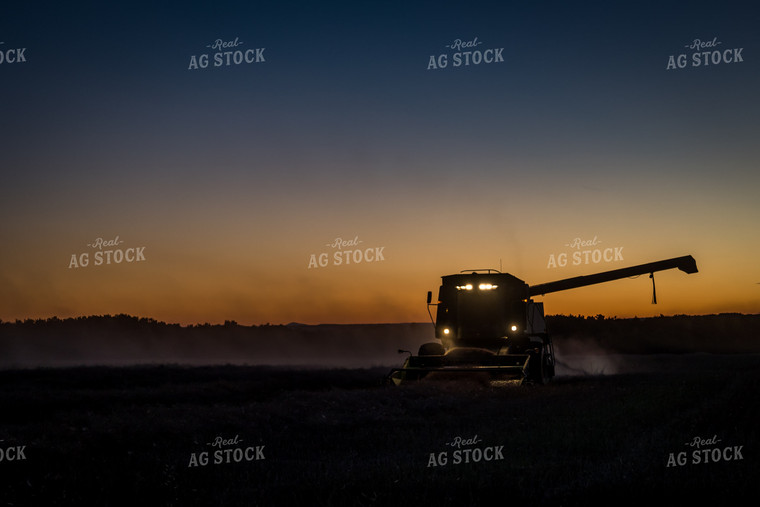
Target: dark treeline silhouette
[[124, 339], [724, 333]]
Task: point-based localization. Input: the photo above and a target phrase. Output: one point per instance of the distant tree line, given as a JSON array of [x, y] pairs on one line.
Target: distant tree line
[[721, 333], [125, 339]]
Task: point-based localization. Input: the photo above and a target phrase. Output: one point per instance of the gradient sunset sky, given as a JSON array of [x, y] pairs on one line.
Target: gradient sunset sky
[[231, 177]]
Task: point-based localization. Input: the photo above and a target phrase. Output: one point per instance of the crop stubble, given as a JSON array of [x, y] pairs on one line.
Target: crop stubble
[[339, 437]]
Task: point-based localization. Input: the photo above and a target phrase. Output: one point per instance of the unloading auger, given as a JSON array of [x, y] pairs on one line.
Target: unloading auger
[[488, 324]]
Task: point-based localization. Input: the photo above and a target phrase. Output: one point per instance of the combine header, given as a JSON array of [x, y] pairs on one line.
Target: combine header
[[488, 325]]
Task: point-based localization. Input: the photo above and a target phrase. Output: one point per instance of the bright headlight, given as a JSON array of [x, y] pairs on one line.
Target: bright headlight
[[446, 330], [513, 328]]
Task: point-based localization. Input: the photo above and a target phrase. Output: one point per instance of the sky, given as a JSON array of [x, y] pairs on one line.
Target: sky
[[224, 185]]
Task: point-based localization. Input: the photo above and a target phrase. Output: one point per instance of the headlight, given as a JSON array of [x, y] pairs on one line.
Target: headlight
[[513, 327], [446, 330]]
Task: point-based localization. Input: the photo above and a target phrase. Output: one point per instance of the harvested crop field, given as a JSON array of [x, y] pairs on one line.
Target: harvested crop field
[[637, 428]]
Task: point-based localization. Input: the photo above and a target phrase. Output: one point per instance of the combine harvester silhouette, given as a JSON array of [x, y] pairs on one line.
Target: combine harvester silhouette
[[488, 324]]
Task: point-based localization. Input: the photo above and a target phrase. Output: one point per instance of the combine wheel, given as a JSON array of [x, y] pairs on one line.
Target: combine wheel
[[539, 372], [431, 349]]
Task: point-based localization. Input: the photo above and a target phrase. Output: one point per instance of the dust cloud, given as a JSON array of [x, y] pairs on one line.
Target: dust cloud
[[581, 358]]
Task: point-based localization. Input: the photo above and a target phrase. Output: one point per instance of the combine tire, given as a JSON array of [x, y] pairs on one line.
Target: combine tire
[[431, 349], [539, 369]]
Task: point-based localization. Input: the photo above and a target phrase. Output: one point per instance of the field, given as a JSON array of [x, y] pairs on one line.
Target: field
[[609, 430]]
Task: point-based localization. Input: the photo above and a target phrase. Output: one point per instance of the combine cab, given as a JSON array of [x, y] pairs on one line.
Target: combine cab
[[489, 327]]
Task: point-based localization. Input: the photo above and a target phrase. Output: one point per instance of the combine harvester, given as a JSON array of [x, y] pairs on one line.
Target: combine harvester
[[489, 326]]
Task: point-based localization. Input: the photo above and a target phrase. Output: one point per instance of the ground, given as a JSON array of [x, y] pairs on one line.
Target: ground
[[609, 429]]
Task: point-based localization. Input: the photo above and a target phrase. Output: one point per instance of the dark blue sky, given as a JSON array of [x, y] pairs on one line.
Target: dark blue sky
[[344, 127]]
